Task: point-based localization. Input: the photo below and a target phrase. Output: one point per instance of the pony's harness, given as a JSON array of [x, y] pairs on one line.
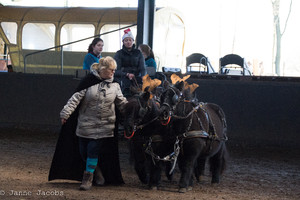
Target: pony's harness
[[172, 157], [201, 133], [142, 112], [175, 99], [211, 135], [186, 135]]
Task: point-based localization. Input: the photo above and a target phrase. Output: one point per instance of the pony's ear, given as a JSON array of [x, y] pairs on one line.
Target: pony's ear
[[146, 95], [135, 89], [166, 84], [179, 85], [147, 89], [187, 93]]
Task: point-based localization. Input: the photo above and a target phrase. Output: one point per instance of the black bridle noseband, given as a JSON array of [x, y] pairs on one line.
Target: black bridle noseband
[[175, 99], [174, 102], [143, 111]]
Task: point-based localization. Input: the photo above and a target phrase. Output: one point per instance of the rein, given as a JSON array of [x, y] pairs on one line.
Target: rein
[[181, 117], [139, 127], [146, 124], [135, 81], [128, 137], [190, 113]]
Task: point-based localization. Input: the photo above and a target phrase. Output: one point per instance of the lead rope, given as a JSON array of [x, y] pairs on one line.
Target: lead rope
[[135, 81], [146, 124], [171, 157]]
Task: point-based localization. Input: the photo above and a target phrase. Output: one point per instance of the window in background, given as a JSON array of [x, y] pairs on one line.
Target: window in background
[[74, 32], [38, 36], [10, 30]]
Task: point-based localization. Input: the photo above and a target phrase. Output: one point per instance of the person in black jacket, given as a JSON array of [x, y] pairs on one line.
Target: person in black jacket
[[130, 64]]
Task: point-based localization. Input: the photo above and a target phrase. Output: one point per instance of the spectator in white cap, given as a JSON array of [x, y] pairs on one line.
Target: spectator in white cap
[[127, 34], [130, 64]]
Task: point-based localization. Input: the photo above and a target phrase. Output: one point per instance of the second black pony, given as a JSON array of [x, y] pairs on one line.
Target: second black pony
[[201, 129], [143, 129]]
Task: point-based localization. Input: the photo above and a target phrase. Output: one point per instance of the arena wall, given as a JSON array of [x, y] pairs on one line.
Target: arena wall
[[259, 112]]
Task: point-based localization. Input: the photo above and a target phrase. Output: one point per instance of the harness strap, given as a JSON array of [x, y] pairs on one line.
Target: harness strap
[[172, 157], [147, 123], [157, 138], [195, 134]]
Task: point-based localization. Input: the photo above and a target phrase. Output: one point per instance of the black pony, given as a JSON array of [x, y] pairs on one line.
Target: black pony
[[142, 127], [201, 129]]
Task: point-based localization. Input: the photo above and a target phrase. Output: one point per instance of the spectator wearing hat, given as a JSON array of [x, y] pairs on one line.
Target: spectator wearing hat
[[130, 64]]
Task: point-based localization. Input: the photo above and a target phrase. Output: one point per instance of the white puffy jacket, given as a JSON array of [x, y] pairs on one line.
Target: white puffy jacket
[[96, 117]]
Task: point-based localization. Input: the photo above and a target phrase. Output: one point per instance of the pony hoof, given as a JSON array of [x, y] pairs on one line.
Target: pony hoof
[[153, 188], [190, 188], [214, 184], [182, 190], [200, 179]]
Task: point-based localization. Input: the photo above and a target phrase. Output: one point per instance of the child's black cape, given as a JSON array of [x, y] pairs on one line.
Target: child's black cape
[[67, 162]]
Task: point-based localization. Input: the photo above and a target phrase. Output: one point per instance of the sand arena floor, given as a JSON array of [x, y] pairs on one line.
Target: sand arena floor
[[252, 174]]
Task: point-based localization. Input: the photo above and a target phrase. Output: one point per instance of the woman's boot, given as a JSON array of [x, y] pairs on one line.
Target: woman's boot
[[98, 179], [87, 181]]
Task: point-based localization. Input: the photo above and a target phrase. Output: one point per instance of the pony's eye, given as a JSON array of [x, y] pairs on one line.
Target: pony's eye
[[142, 112]]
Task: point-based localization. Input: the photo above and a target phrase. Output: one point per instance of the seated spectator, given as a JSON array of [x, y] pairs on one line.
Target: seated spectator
[[149, 57]]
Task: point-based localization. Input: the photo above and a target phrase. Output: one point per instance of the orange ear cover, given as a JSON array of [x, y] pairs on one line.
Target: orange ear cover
[[147, 81], [192, 87], [175, 78]]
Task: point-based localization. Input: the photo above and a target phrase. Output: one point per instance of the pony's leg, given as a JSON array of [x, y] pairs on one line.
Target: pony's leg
[[199, 168], [141, 171], [139, 160], [217, 164], [187, 160], [168, 168], [191, 183], [155, 175], [186, 167]]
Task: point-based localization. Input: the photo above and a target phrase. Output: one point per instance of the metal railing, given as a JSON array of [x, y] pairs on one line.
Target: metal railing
[[62, 45], [5, 57]]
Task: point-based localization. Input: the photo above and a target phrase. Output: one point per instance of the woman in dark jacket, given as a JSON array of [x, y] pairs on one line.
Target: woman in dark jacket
[[130, 64]]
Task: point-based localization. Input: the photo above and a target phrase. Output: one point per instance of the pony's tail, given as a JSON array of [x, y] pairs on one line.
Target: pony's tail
[[225, 158], [218, 162]]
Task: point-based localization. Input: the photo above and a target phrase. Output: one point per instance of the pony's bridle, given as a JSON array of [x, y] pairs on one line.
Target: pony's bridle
[[142, 112], [175, 100]]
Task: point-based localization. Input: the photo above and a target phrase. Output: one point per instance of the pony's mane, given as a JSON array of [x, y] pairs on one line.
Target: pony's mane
[[131, 104]]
